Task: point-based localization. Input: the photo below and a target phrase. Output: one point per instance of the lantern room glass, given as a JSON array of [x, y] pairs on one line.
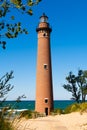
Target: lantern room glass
[[43, 18]]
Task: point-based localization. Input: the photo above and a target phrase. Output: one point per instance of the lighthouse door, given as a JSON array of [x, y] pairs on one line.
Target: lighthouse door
[[46, 111]]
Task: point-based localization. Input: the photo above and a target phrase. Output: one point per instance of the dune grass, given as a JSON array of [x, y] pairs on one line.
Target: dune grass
[[5, 125], [77, 107]]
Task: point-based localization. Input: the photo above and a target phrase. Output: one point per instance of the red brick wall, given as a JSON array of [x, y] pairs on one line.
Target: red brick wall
[[44, 76]]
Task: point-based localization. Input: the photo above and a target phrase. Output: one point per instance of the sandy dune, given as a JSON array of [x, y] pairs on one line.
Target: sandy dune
[[73, 121]]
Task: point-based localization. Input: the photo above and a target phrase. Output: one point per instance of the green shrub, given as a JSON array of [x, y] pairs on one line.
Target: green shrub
[[30, 114], [57, 112], [5, 125], [72, 108], [67, 109], [77, 107], [36, 114], [83, 107], [26, 114]]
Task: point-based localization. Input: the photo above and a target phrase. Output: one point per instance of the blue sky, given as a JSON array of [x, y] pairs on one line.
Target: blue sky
[[68, 19]]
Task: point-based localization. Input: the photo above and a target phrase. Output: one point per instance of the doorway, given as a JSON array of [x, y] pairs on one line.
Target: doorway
[[46, 111]]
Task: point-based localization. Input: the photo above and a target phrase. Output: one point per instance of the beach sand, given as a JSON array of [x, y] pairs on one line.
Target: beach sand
[[73, 121]]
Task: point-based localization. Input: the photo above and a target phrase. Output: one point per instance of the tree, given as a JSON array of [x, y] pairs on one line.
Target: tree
[[5, 86], [12, 30], [72, 87], [82, 83], [77, 85]]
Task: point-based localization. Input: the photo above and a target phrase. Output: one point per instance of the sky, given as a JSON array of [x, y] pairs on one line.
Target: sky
[[68, 19]]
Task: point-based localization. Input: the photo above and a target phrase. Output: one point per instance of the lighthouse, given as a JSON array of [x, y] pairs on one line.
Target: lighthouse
[[44, 87]]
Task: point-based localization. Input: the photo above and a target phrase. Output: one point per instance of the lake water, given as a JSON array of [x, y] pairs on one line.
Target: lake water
[[31, 104]]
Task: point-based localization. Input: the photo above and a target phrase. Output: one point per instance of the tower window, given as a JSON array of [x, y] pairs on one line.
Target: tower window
[[45, 66], [44, 34], [46, 100]]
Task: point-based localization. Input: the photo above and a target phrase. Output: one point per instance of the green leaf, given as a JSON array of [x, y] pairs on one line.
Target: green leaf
[[12, 29], [12, 17], [39, 1], [30, 12], [19, 24], [30, 3], [8, 35]]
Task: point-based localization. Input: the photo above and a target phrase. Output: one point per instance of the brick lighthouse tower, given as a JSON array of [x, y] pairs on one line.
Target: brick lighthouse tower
[[44, 90]]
